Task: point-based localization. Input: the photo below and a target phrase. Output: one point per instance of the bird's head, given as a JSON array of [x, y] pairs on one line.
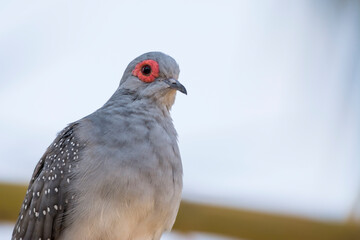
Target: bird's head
[[153, 76]]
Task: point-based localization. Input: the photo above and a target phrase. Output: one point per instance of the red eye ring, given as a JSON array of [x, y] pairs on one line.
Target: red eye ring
[[147, 70]]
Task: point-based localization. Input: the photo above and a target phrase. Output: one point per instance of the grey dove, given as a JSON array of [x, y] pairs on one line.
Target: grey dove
[[116, 173]]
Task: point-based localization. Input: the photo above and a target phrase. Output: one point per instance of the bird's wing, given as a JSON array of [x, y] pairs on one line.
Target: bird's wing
[[48, 199]]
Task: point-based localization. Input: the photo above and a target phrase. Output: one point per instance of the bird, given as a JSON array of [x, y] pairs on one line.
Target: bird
[[115, 173]]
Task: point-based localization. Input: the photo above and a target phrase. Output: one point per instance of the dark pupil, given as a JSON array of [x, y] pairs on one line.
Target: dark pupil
[[146, 70]]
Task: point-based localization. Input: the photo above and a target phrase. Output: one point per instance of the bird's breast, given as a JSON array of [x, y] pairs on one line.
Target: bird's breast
[[130, 180]]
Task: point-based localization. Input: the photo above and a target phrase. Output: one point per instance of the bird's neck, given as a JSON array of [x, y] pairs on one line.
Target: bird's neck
[[164, 99], [124, 100]]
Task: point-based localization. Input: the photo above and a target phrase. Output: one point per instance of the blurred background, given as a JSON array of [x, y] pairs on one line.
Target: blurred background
[[270, 129]]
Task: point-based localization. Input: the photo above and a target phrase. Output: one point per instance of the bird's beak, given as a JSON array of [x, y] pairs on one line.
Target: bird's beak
[[175, 84]]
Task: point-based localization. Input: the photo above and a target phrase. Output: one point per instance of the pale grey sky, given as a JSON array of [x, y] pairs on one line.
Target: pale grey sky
[[271, 120]]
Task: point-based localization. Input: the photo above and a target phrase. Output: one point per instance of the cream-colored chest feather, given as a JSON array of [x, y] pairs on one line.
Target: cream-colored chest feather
[[138, 221]]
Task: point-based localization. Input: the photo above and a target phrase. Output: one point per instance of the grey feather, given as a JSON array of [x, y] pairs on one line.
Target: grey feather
[[123, 176]]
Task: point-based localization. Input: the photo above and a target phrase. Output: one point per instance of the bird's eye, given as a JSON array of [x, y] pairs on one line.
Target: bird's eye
[[146, 70]]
